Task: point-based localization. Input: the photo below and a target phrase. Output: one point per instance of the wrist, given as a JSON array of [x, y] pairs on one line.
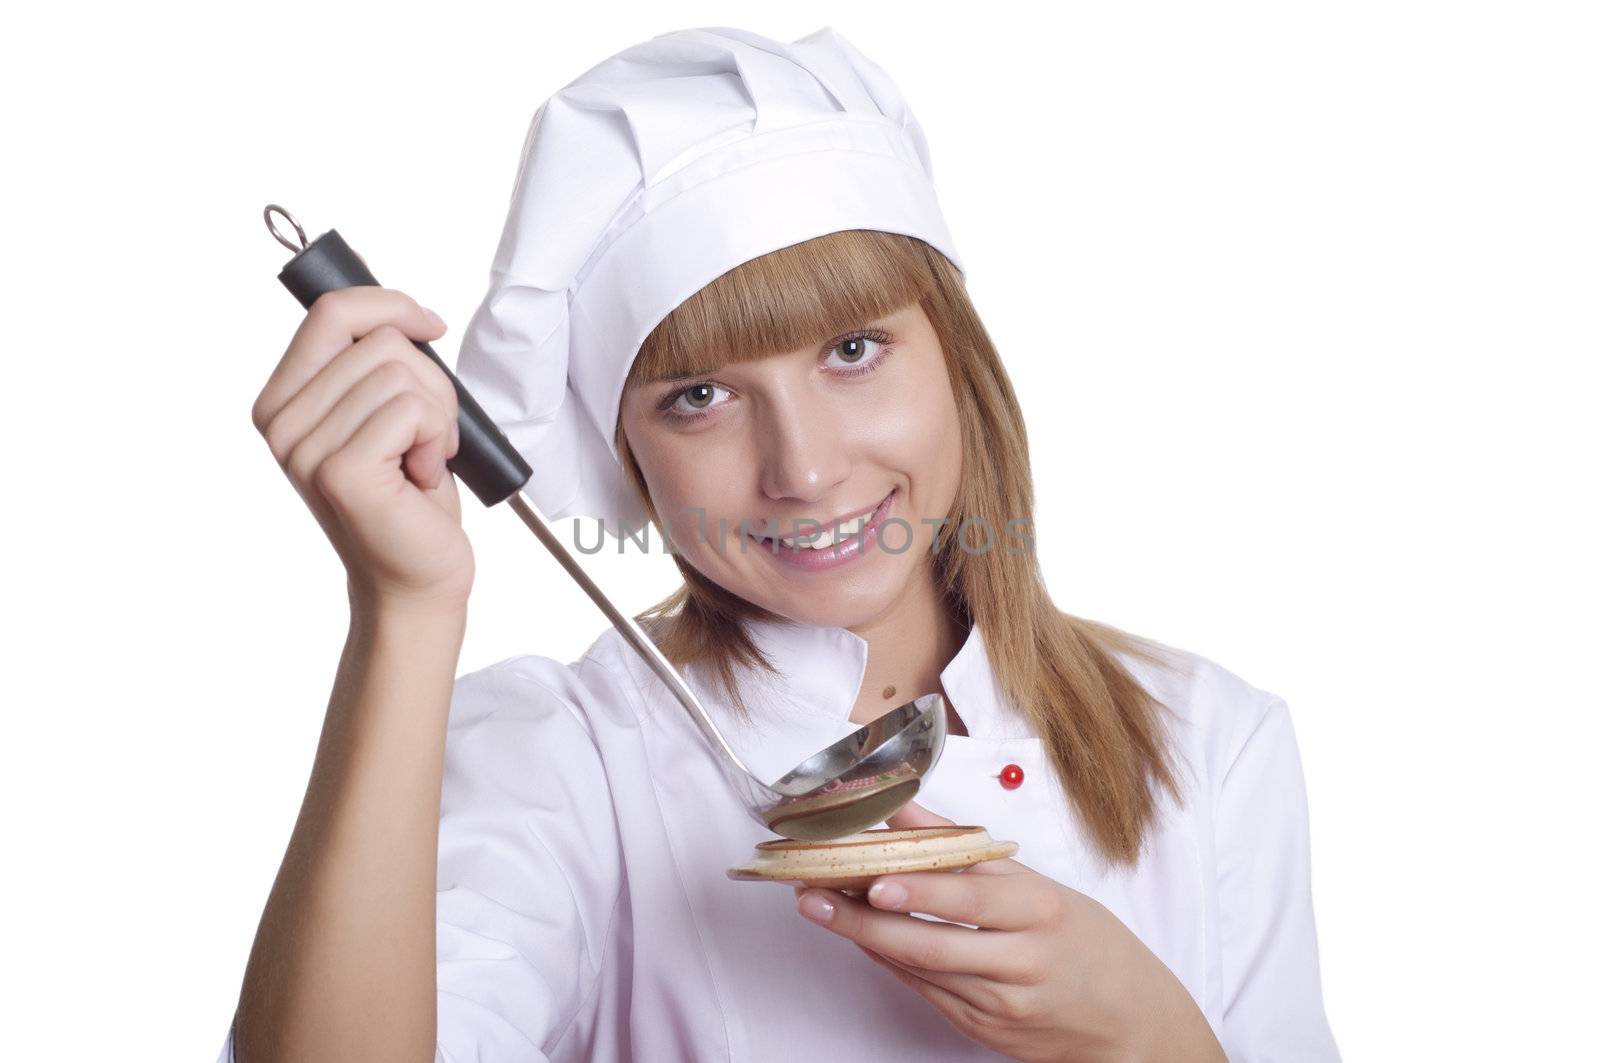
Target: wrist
[[408, 623], [411, 608], [1175, 1029]]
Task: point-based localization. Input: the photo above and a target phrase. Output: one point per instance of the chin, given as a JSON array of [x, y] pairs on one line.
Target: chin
[[844, 606], [826, 615]]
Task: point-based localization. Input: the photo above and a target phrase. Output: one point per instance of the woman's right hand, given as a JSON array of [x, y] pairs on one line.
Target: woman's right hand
[[362, 423]]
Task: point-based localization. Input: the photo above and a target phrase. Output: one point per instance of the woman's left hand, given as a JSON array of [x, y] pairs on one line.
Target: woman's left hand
[[1048, 974]]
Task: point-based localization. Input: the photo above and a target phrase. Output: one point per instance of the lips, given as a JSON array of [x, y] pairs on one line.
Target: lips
[[821, 535], [846, 549]]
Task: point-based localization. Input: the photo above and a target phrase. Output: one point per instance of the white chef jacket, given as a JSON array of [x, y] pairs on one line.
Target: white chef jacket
[[584, 911]]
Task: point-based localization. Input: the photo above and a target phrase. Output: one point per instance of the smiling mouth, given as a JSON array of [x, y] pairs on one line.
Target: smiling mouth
[[820, 540]]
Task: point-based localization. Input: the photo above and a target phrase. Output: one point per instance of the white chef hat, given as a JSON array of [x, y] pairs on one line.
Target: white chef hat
[[641, 182]]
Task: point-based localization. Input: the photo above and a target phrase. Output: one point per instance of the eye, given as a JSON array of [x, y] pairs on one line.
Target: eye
[[688, 404], [860, 352]]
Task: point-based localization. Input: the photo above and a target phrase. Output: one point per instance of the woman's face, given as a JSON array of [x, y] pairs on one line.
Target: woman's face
[[787, 443]]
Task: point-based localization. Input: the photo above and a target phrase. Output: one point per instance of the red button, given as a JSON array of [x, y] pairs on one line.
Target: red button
[[1011, 776]]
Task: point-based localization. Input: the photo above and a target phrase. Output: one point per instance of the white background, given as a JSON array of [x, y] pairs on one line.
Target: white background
[[1300, 301]]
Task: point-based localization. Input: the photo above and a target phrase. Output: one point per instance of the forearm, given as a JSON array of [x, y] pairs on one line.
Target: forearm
[[343, 964]]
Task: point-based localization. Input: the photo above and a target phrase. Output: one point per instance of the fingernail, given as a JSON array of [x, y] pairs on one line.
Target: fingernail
[[433, 317], [887, 894], [816, 908]]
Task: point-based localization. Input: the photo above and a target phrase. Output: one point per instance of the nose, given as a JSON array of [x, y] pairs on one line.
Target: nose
[[804, 448]]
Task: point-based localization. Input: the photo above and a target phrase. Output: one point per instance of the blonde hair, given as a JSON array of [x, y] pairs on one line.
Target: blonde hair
[[1103, 730]]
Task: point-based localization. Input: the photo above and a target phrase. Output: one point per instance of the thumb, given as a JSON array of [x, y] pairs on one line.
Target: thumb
[[914, 815]]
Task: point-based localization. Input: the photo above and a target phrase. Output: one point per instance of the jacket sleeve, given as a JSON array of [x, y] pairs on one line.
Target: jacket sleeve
[[1272, 988], [529, 869], [529, 866]]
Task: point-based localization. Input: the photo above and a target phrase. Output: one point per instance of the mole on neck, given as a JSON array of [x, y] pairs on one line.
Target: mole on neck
[[953, 722]]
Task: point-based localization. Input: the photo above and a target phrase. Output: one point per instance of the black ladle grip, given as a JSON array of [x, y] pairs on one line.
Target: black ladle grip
[[485, 460]]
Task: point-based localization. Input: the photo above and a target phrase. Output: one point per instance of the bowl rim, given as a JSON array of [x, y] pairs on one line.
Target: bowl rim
[[873, 836]]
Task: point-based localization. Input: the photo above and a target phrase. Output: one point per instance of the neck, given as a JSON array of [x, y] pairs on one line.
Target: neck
[[907, 648]]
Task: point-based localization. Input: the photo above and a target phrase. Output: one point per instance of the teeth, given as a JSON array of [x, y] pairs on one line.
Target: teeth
[[823, 540], [825, 537]]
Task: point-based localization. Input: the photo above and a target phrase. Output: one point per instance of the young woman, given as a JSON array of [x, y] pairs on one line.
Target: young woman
[[725, 302]]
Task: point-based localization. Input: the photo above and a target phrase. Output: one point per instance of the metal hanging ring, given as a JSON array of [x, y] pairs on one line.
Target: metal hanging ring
[[276, 235]]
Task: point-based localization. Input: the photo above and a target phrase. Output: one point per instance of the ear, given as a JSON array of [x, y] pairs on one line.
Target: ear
[[914, 815]]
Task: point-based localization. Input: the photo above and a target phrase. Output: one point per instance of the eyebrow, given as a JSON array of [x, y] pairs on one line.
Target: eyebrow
[[667, 378], [673, 377]]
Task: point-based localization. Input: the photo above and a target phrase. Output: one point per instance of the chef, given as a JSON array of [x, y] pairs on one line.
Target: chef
[[726, 306]]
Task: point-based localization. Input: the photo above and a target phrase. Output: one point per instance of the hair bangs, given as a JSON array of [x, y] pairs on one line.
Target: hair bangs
[[784, 300]]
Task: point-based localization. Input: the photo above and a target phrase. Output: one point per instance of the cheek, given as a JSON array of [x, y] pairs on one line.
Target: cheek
[[689, 499], [917, 431]]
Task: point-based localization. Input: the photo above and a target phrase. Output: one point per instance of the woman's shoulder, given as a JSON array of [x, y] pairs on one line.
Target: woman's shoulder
[[524, 728], [1214, 710], [592, 692]]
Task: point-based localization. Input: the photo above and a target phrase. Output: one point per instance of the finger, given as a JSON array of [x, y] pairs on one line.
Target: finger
[[335, 321], [383, 350], [371, 371], [995, 902], [920, 942], [417, 435], [914, 815], [367, 463], [348, 414]]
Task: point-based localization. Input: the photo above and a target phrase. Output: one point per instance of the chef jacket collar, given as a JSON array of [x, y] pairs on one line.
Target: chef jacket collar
[[821, 668]]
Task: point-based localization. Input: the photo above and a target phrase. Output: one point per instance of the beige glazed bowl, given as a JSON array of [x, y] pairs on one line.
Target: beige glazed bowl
[[852, 862]]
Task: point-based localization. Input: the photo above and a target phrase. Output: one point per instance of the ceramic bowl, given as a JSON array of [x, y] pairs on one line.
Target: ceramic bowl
[[852, 862]]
